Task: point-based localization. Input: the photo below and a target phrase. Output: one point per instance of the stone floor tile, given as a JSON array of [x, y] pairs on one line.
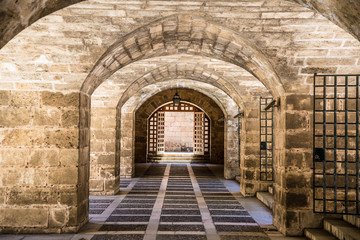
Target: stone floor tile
[[118, 237]]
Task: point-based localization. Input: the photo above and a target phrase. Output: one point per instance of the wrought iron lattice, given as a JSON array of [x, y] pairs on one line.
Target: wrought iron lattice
[[161, 132], [152, 134], [156, 129], [199, 120], [336, 144], [266, 140]]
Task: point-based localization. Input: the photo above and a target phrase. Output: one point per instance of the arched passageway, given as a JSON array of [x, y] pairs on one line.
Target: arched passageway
[[214, 134], [176, 131], [221, 136], [72, 81]]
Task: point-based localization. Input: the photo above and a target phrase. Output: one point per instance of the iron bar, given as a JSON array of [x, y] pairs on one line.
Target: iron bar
[[336, 173], [266, 140]]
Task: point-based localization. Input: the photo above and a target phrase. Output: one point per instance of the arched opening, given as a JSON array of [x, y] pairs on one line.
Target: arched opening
[[179, 134], [220, 134]]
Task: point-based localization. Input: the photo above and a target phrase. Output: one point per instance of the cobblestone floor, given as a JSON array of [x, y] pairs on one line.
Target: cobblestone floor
[[173, 202]]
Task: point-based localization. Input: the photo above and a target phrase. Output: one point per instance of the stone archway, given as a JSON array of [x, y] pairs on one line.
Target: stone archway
[[214, 113], [184, 33], [125, 121]]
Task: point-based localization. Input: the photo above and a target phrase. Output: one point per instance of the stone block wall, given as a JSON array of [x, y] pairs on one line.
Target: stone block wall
[[39, 159]]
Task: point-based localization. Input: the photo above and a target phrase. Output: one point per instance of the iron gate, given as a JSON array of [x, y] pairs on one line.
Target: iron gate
[[336, 144], [266, 140]]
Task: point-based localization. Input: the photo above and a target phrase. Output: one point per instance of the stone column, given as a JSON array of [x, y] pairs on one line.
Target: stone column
[[104, 169], [250, 153], [293, 210], [127, 145]]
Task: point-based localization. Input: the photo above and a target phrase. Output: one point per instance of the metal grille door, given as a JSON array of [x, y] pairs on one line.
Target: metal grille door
[[206, 135], [199, 133], [266, 140], [152, 142], [161, 132], [336, 144]]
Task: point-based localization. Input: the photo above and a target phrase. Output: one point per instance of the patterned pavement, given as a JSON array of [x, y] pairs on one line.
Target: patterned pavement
[[175, 201]]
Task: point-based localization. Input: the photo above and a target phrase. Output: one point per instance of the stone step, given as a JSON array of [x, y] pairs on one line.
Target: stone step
[[318, 234], [178, 155], [271, 190], [352, 219], [178, 158], [341, 229], [266, 198], [177, 161]]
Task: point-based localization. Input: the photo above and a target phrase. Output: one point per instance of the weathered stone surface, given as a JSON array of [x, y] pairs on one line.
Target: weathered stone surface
[[23, 196], [24, 217], [23, 137], [70, 118], [297, 200], [4, 97], [298, 181], [3, 196], [104, 134], [48, 117], [106, 159], [62, 138], [96, 185], [69, 157], [15, 117], [58, 217], [24, 98], [64, 175], [297, 120], [69, 197], [44, 157], [299, 102], [58, 99], [345, 14], [13, 157], [299, 140]]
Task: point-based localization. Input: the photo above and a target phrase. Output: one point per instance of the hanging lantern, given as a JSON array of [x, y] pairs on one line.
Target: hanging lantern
[[176, 100]]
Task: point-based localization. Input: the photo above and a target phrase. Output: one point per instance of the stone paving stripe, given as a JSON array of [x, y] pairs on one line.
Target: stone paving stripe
[[181, 233], [107, 212], [210, 229], [154, 221]]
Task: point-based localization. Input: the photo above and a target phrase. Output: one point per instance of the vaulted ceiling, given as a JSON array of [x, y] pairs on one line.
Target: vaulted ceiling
[[17, 15]]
